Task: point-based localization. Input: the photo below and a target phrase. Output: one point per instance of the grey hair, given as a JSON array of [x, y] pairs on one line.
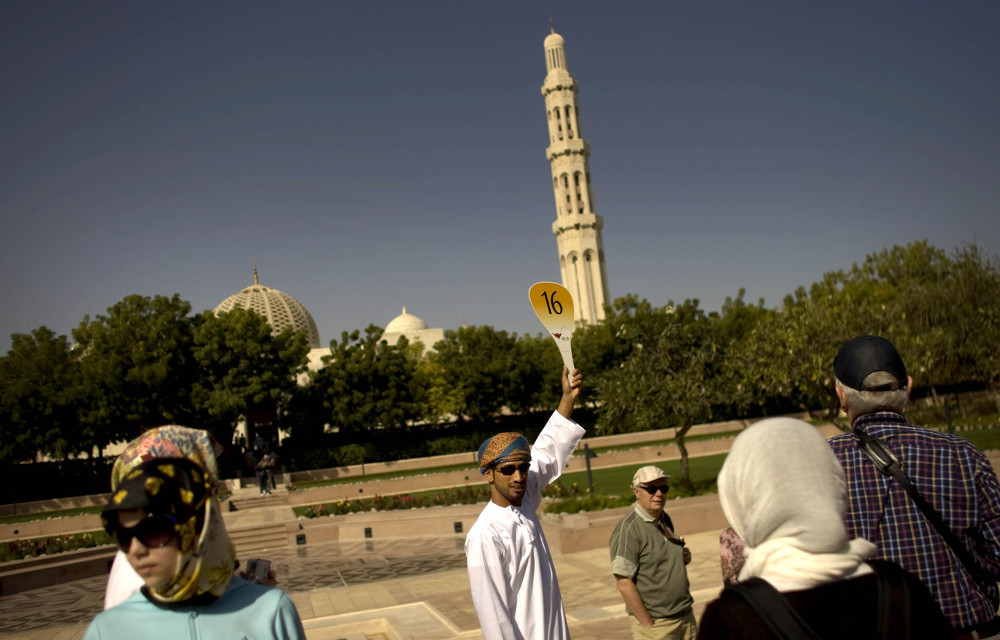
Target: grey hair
[[863, 402]]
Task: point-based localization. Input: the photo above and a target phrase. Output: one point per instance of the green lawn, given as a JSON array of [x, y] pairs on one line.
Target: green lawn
[[473, 468], [618, 480]]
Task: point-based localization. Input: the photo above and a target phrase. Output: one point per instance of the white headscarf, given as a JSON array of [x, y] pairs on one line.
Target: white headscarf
[[784, 492]]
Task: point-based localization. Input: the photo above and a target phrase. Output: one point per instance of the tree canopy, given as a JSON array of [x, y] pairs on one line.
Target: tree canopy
[[148, 361]]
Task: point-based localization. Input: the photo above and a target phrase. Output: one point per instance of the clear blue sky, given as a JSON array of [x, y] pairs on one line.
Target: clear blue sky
[[376, 154]]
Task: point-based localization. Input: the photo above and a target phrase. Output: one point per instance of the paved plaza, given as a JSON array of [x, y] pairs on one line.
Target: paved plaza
[[413, 588]]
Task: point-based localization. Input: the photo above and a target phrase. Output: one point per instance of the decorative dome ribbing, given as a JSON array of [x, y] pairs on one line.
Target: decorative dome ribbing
[[280, 309]]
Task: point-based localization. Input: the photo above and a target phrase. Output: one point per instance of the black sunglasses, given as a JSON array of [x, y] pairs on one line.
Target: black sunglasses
[[509, 469], [652, 490], [153, 532]]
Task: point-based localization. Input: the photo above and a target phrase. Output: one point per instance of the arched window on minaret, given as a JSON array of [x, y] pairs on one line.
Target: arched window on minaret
[[576, 186], [575, 285], [590, 195], [589, 265]]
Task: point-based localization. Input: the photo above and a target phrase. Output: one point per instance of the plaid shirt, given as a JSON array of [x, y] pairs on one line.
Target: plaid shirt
[[952, 475]]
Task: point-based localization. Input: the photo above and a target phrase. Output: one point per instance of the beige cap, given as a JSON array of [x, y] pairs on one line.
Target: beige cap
[[648, 474]]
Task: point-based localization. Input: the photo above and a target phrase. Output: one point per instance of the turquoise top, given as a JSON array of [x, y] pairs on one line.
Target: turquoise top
[[245, 610]]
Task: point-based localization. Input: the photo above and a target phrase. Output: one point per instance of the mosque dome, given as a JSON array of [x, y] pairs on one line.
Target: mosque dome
[[280, 309], [405, 322]]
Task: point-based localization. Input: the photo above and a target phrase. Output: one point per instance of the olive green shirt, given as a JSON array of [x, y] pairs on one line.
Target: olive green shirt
[[642, 552]]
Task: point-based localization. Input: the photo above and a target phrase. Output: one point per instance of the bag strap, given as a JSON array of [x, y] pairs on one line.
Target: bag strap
[[781, 619], [886, 462]]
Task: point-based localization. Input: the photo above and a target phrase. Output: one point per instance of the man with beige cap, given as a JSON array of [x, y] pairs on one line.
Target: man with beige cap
[[649, 560]]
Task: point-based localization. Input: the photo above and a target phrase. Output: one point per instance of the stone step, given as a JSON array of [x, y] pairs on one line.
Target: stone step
[[250, 541], [247, 502]]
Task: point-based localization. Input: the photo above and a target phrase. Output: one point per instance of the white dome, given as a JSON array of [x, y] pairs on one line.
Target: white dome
[[404, 323], [280, 309]]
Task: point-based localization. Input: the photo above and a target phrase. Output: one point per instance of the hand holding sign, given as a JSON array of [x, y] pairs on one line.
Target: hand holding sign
[[554, 307]]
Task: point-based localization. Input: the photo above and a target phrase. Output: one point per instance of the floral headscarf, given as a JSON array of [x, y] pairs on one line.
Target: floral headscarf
[[173, 469]]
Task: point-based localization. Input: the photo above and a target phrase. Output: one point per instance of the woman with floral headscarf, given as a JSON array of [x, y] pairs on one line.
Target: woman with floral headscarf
[[166, 518]]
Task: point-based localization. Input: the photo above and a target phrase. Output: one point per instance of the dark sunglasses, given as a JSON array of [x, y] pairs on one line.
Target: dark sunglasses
[[153, 532], [652, 490], [509, 469]]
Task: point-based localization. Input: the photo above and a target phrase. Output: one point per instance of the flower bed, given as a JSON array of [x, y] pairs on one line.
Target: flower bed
[[20, 549], [466, 495]]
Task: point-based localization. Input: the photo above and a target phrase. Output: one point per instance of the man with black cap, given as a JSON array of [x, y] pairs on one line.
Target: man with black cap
[[514, 587], [949, 473]]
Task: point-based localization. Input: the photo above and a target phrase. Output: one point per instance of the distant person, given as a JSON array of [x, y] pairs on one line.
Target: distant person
[[514, 586], [265, 470], [648, 561], [784, 493], [952, 476], [165, 516], [275, 465]]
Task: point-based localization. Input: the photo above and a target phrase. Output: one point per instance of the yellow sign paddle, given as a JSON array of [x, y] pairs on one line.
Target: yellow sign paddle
[[554, 307]]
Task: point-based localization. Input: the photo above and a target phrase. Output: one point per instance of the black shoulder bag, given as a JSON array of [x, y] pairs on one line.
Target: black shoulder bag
[[784, 622], [889, 465], [774, 610]]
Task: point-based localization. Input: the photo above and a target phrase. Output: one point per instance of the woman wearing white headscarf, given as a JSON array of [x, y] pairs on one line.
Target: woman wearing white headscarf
[[784, 493]]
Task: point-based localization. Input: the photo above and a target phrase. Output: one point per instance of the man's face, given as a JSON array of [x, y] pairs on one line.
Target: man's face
[[508, 481], [652, 495]]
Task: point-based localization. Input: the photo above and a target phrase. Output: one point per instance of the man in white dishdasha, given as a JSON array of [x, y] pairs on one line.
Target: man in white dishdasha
[[514, 585]]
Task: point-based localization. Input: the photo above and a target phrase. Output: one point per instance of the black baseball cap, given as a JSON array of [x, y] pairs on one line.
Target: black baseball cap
[[864, 355]]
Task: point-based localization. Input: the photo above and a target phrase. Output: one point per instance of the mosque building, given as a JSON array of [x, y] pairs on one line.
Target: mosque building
[[577, 229], [282, 310], [415, 330], [577, 226]]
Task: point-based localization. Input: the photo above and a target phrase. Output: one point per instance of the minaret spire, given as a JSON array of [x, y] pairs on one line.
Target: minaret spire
[[577, 226], [255, 280]]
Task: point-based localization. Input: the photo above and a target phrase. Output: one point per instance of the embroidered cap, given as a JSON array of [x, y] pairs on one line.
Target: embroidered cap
[[503, 447], [865, 355]]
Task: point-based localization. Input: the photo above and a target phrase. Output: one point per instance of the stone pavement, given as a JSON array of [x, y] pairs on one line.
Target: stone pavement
[[414, 588]]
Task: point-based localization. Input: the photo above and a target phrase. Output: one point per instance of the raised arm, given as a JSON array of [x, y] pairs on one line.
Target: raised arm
[[570, 391], [556, 442]]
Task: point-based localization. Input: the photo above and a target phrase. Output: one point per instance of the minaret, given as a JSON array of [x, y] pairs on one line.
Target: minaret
[[577, 226]]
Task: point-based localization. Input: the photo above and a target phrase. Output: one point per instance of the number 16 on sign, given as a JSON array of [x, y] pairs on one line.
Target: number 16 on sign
[[554, 307]]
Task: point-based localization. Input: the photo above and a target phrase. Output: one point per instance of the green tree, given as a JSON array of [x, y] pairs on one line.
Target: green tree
[[676, 374], [366, 383], [244, 367], [137, 366], [477, 362], [534, 378], [39, 398], [436, 400]]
